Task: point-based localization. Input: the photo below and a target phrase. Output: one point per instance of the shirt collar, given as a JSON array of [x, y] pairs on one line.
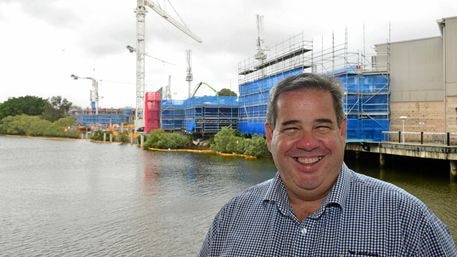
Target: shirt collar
[[277, 193], [337, 196], [340, 190]]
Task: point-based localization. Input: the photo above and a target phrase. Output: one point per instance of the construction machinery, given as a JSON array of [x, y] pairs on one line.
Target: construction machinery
[[200, 84], [189, 76], [93, 92], [140, 50]]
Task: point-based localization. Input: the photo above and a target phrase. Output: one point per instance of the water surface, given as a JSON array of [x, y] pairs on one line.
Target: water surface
[[77, 198]]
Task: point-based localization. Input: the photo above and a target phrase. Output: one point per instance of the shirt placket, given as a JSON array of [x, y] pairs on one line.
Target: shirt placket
[[307, 236]]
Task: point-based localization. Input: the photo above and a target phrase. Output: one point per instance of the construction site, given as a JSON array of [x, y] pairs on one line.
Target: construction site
[[366, 87], [408, 86]]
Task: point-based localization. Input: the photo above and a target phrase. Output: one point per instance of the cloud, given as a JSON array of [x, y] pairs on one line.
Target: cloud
[[50, 39], [53, 12], [107, 38]]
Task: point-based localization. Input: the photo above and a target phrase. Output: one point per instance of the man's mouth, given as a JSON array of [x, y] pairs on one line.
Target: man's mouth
[[304, 160]]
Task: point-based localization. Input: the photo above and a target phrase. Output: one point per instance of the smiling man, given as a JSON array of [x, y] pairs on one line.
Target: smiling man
[[316, 205]]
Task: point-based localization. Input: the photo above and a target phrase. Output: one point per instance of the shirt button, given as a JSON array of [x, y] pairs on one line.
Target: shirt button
[[304, 231]]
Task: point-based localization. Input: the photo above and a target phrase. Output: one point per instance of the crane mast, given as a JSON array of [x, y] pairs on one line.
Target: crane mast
[[140, 52], [260, 55], [140, 63], [189, 76], [168, 89]]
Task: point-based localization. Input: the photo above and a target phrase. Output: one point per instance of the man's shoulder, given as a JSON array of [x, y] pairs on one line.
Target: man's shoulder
[[250, 198], [254, 193], [384, 192]]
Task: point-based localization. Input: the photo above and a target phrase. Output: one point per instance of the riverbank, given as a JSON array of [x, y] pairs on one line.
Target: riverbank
[[203, 151]]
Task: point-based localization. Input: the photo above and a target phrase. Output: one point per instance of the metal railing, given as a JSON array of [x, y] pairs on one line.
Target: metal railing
[[421, 137]]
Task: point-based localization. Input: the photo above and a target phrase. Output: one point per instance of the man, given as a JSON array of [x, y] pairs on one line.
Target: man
[[316, 205]]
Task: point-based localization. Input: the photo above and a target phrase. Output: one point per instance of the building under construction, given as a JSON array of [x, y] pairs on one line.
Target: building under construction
[[202, 115], [366, 88], [104, 118], [408, 85], [406, 89], [366, 92], [258, 74]]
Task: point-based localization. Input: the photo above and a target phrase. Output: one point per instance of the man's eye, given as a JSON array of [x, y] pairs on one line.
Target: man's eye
[[290, 130], [323, 128]]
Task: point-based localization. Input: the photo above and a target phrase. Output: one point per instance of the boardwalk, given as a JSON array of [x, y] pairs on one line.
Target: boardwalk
[[430, 151]]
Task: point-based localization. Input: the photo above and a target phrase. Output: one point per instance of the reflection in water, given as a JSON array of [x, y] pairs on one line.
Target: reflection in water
[[151, 173], [76, 198]]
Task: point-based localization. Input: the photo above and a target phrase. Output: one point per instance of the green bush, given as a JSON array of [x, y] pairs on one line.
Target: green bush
[[256, 146], [35, 126], [98, 135], [227, 140], [165, 140], [65, 122], [124, 137]]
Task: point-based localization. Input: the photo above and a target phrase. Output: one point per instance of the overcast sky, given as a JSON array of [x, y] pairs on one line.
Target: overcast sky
[[44, 42]]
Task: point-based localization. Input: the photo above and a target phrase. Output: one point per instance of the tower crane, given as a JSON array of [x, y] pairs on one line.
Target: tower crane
[[132, 49], [168, 89], [168, 86], [261, 48], [260, 55], [140, 51], [189, 76]]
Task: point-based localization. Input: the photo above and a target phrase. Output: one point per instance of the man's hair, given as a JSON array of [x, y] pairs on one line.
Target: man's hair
[[307, 81]]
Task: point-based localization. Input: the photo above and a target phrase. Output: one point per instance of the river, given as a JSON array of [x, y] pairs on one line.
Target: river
[[77, 198]]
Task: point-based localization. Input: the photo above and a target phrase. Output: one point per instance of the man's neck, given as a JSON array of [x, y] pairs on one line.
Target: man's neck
[[304, 209]]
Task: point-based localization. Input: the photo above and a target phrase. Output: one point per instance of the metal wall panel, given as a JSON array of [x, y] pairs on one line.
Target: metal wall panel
[[451, 55], [416, 67]]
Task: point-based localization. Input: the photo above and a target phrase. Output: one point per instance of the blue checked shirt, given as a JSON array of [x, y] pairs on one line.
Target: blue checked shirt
[[361, 216]]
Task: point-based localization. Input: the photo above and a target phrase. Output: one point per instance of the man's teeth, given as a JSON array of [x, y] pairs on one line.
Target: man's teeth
[[308, 160]]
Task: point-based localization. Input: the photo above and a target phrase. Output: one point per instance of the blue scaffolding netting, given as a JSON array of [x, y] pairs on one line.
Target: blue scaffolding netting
[[253, 101], [115, 117], [202, 115], [172, 114], [366, 103]]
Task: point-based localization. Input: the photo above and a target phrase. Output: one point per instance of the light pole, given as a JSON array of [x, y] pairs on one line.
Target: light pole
[[133, 50], [403, 119], [140, 81], [93, 92]]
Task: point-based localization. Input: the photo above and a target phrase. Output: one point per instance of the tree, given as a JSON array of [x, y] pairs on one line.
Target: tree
[[30, 105], [166, 140], [226, 92], [35, 126], [227, 141], [56, 108]]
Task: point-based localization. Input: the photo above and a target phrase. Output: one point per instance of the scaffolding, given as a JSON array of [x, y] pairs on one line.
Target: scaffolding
[[365, 83], [208, 114], [105, 117], [257, 77], [289, 54], [366, 104], [200, 115], [172, 115]]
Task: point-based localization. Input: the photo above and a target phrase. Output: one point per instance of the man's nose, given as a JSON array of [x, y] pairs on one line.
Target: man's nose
[[307, 141]]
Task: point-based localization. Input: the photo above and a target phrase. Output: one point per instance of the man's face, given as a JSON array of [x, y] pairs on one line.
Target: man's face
[[306, 144]]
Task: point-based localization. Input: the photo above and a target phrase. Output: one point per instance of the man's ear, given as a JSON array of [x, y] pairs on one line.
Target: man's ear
[[343, 127]]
